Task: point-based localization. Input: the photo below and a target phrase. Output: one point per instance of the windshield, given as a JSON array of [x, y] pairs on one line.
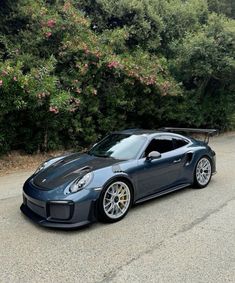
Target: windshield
[[119, 146]]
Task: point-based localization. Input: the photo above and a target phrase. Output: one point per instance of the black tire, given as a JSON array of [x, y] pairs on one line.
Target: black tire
[[202, 183], [103, 215]]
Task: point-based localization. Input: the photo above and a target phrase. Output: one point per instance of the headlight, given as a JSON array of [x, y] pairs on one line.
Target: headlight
[[81, 183]]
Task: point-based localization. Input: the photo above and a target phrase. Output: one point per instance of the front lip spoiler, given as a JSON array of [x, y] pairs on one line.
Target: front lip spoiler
[[43, 222]]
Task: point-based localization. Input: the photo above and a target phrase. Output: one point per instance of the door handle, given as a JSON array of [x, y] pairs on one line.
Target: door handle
[[177, 160]]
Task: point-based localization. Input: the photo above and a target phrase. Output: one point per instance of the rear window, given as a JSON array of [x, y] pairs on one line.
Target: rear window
[[178, 142]]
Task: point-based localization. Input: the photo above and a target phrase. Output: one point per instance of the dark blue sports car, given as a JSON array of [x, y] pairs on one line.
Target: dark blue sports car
[[123, 169]]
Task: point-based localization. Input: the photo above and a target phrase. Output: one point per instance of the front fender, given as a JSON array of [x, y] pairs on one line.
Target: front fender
[[105, 176]]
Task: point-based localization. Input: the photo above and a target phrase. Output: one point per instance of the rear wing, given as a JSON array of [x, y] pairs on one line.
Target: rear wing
[[206, 132]]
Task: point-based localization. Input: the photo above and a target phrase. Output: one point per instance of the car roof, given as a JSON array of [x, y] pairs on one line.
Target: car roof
[[138, 132], [149, 133]]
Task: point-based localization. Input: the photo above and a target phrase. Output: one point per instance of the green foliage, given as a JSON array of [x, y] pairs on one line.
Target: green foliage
[[226, 7], [205, 61], [72, 71]]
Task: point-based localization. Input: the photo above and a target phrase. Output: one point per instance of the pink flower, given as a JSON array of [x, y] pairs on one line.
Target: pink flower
[[66, 6], [48, 34], [1, 82], [86, 51], [78, 90], [4, 73], [41, 95], [51, 23], [86, 65], [54, 109], [113, 64], [15, 79]]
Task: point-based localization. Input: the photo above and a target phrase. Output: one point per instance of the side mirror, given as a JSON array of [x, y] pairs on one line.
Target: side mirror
[[153, 155]]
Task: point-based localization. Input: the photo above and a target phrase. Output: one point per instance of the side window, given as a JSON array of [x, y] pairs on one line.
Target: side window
[[178, 142], [161, 144]]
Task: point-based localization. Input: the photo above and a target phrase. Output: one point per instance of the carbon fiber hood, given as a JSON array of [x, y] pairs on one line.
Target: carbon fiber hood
[[69, 168]]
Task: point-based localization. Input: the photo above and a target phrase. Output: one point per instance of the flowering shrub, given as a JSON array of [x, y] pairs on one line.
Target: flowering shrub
[[63, 83]]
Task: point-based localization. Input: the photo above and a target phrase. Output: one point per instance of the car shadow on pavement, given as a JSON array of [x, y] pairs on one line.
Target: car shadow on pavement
[[163, 197]]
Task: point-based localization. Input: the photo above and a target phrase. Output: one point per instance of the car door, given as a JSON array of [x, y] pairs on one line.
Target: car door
[[161, 173]]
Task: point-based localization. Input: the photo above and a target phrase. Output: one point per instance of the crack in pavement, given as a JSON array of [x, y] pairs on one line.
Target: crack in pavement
[[113, 273], [6, 198], [204, 217]]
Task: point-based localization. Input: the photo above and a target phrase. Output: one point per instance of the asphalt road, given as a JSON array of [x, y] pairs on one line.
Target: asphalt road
[[186, 236]]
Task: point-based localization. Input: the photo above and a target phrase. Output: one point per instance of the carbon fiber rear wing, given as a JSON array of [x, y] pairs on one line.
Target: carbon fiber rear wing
[[206, 132]]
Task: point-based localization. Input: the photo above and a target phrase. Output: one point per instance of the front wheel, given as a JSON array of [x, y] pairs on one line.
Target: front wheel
[[203, 172], [115, 201]]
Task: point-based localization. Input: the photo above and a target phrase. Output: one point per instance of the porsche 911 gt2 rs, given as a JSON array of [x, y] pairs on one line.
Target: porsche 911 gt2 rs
[[125, 168]]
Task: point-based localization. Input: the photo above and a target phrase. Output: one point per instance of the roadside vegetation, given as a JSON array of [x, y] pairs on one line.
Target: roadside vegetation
[[71, 71]]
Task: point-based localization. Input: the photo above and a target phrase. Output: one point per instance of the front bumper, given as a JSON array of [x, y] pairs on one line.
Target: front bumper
[[59, 212], [43, 222]]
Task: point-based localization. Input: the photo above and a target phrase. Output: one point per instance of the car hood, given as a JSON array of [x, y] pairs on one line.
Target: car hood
[[69, 168]]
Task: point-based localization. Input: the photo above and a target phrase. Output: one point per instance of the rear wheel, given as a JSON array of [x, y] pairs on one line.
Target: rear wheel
[[203, 172], [115, 201]]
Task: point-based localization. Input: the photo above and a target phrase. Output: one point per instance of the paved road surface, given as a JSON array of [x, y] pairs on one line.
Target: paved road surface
[[187, 236]]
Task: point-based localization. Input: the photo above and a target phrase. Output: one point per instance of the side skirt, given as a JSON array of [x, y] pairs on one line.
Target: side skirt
[[161, 193]]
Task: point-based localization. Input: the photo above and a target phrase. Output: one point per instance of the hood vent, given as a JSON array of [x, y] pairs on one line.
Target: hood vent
[[85, 168]]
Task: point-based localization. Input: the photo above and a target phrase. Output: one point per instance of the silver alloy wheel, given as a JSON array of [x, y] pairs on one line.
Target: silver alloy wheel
[[203, 171], [116, 200]]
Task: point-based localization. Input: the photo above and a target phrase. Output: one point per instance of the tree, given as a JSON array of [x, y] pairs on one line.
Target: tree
[[205, 62], [226, 7]]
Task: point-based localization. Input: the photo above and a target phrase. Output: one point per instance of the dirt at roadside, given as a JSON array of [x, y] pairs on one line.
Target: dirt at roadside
[[20, 161]]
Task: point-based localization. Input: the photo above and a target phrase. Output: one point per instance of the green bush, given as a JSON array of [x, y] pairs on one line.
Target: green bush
[[71, 72]]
